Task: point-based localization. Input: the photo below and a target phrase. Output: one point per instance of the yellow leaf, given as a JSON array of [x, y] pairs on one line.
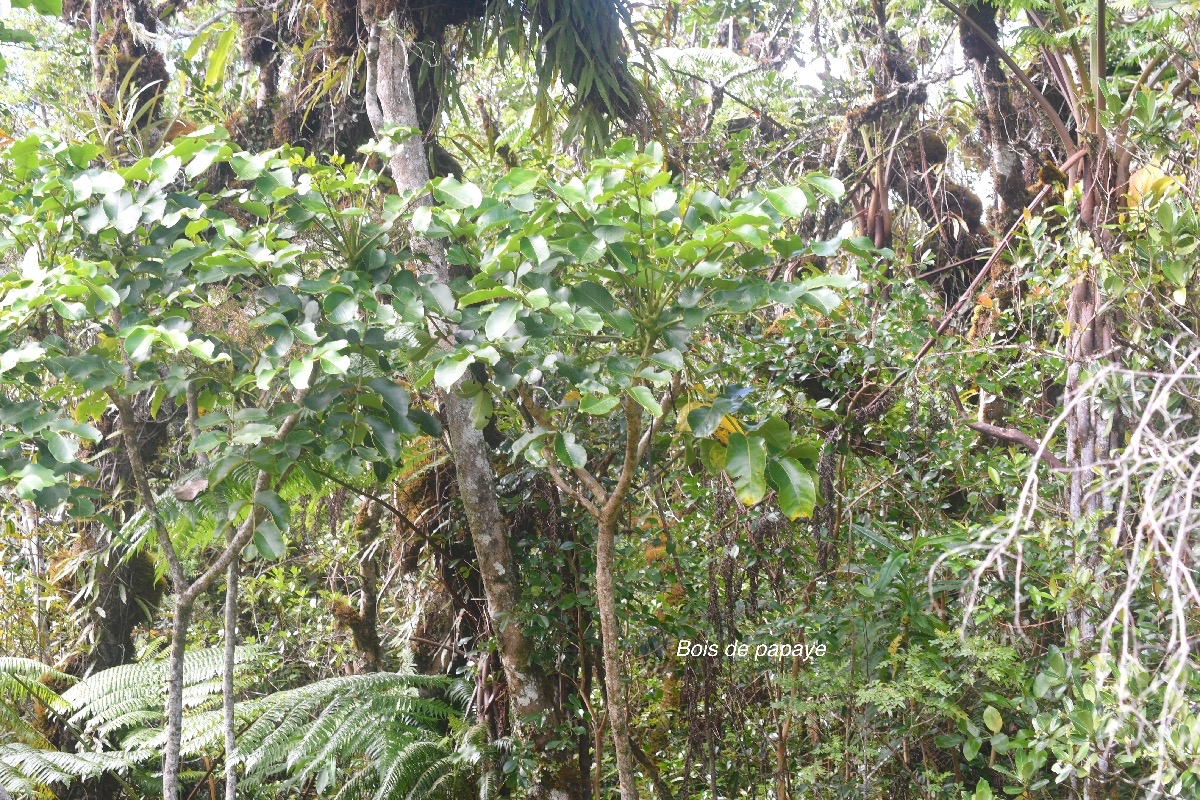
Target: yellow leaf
[[1150, 182], [681, 423], [728, 426]]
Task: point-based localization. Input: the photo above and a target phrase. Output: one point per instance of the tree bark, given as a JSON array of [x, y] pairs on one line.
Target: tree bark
[[610, 633], [230, 722], [606, 603], [391, 102], [998, 116]]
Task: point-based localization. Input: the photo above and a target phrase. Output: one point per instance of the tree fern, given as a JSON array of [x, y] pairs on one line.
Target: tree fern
[[20, 687], [374, 736], [290, 735]]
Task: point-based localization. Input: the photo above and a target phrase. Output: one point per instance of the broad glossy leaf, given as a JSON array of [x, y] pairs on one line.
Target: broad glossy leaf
[[501, 319], [598, 405], [517, 181], [569, 451], [823, 300], [269, 540], [794, 486], [788, 200], [457, 195], [386, 439], [645, 399], [392, 394], [451, 368], [828, 186], [704, 422], [712, 455], [62, 448], [275, 506], [746, 462]]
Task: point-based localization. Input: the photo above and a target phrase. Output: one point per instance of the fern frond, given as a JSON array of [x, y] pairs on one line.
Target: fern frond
[[133, 695], [376, 735], [21, 686], [29, 767]]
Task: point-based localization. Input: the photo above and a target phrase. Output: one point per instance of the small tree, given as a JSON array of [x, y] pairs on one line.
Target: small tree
[[273, 311], [589, 296]]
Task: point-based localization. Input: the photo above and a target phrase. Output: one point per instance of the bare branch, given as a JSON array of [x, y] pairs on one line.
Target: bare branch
[[1014, 436]]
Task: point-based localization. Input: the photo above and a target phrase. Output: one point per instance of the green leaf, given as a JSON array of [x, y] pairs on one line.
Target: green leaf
[[248, 166], [484, 295], [501, 319], [992, 718], [300, 373], [776, 432], [826, 248], [335, 363], [645, 399], [269, 540], [526, 439], [746, 463], [982, 790], [788, 200], [386, 439], [704, 422], [34, 478], [253, 433], [219, 58], [457, 195], [481, 409], [207, 441], [594, 296], [831, 187], [517, 181], [392, 394], [62, 448], [713, 455], [823, 300], [426, 422], [569, 451], [197, 42], [15, 35], [202, 160], [670, 359], [451, 368], [794, 486], [598, 405], [138, 342], [971, 748], [274, 505]]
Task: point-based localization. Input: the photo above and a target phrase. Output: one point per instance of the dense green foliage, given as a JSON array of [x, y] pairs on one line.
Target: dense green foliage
[[848, 434]]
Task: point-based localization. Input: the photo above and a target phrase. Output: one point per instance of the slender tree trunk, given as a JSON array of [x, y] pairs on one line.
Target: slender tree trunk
[[606, 603], [610, 635], [391, 101], [231, 593], [186, 594], [1089, 445]]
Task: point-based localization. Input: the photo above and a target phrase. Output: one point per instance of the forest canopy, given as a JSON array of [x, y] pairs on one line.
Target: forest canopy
[[562, 400]]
